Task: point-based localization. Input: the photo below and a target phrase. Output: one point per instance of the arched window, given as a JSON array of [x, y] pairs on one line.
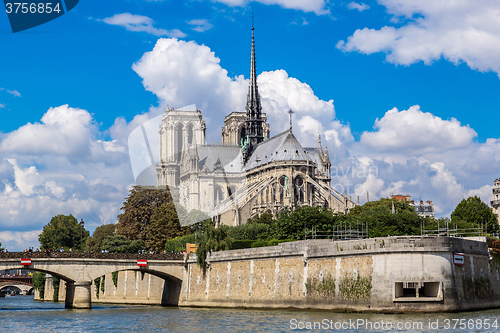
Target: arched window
[[178, 143], [298, 189], [231, 190], [283, 188], [242, 134], [218, 195], [190, 133]]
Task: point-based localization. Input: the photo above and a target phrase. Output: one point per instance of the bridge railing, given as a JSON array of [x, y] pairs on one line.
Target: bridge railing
[[91, 255]]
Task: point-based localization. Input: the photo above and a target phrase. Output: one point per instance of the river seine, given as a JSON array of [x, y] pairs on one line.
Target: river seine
[[23, 314]]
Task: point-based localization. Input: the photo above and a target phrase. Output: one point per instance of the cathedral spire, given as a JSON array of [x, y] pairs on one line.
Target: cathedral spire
[[253, 108]]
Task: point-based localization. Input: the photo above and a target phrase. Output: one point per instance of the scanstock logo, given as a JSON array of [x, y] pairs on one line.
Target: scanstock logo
[[26, 14]]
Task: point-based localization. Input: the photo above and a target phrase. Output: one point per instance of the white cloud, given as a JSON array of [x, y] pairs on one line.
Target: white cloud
[[63, 130], [316, 6], [414, 132], [26, 179], [2, 105], [182, 73], [201, 25], [12, 240], [14, 92], [61, 165], [459, 31], [140, 23], [358, 6]]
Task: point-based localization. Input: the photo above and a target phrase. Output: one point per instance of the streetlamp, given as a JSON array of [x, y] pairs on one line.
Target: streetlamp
[[82, 224]]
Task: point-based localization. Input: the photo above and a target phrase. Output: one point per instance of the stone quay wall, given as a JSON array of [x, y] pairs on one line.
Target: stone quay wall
[[391, 274]]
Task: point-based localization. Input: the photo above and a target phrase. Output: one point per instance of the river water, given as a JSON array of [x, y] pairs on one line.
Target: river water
[[23, 314]]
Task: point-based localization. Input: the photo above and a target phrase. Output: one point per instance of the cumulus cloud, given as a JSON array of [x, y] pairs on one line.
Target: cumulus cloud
[[63, 130], [458, 31], [357, 6], [140, 23], [415, 131], [182, 73], [417, 153], [11, 240], [201, 25], [61, 165], [316, 6]]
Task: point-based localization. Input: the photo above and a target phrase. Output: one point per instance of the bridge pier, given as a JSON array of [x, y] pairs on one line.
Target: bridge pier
[[78, 295]]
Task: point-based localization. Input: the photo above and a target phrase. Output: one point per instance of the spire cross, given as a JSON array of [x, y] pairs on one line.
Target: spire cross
[[290, 112]]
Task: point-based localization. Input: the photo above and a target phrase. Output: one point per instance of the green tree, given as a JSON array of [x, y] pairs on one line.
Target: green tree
[[382, 221], [211, 239], [264, 218], [63, 231], [178, 244], [39, 283], [164, 225], [94, 243], [138, 209], [291, 224], [474, 212], [1, 248], [121, 244], [254, 231]]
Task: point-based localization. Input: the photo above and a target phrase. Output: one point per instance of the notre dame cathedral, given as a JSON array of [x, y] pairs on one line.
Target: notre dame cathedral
[[250, 172]]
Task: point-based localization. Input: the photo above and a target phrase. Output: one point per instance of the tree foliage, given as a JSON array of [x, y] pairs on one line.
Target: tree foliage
[[121, 244], [178, 244], [254, 231], [474, 212], [63, 231], [94, 243], [264, 218], [39, 283], [138, 210], [164, 225], [382, 222], [291, 224], [211, 239], [1, 248]]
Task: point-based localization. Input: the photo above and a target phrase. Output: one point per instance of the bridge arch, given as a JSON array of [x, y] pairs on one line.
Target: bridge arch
[[172, 284], [21, 288], [79, 273]]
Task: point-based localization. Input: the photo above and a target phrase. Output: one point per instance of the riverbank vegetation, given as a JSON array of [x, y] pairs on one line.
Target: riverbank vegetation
[[151, 221]]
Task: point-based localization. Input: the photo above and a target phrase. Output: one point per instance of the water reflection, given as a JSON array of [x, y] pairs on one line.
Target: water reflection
[[23, 314]]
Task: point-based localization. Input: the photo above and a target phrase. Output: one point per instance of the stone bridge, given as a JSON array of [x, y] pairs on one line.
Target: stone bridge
[[79, 270], [25, 289]]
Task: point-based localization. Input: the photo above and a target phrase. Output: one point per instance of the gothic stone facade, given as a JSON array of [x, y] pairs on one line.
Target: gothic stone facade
[[250, 172], [216, 180]]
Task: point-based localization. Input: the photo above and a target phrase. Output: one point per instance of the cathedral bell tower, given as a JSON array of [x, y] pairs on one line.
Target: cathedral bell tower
[[253, 123]]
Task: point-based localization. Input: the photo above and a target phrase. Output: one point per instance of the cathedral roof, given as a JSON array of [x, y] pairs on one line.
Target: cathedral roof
[[282, 147], [313, 154], [213, 155]]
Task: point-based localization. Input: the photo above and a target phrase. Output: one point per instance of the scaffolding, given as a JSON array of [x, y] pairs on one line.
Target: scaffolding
[[453, 231], [342, 231]]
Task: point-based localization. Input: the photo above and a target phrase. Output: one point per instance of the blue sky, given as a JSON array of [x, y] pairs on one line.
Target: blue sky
[[406, 88]]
